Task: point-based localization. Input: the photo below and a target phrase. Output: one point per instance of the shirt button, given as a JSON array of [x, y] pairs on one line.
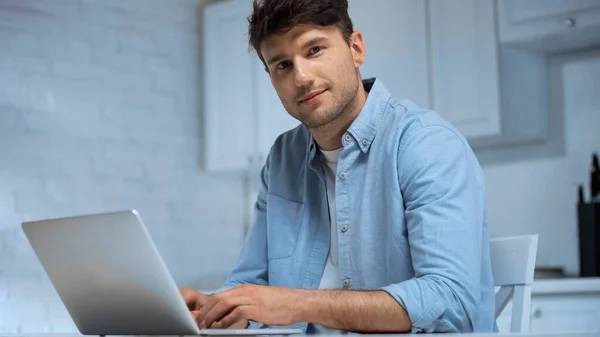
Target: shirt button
[[343, 175], [344, 228], [347, 137], [346, 283], [365, 142]]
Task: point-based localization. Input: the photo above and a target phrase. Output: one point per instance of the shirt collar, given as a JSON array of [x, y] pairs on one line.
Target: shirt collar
[[364, 128]]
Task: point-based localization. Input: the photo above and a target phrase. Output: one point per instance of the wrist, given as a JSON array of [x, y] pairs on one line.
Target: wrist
[[304, 308]]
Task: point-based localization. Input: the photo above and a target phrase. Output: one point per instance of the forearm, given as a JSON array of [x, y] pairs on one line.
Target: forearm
[[355, 311]]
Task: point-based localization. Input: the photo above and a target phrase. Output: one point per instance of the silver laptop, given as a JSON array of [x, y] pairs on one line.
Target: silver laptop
[[111, 278]]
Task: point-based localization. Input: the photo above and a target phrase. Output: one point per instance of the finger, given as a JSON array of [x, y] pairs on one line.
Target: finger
[[242, 324], [235, 317], [215, 312], [223, 308], [208, 305], [191, 298], [212, 300]]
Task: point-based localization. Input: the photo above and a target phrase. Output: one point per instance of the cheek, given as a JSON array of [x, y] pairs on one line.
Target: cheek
[[285, 94]]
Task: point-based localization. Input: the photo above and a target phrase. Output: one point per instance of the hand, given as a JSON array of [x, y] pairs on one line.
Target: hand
[[195, 300], [263, 304]]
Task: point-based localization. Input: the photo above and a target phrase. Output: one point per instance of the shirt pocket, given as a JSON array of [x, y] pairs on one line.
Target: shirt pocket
[[284, 218]]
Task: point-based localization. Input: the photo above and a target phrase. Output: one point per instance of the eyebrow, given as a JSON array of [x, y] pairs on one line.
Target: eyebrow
[[309, 43]]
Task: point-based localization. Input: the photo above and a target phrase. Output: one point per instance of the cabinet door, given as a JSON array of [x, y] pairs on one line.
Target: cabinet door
[[394, 33], [558, 313], [229, 104], [464, 65], [551, 314], [272, 118], [549, 25]]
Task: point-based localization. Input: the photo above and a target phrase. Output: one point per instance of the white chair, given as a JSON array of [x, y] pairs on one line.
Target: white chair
[[513, 265]]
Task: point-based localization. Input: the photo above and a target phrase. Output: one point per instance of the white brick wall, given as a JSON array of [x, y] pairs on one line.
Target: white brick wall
[[99, 111]]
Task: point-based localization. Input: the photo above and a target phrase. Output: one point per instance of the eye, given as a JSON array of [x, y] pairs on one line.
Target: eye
[[283, 65], [315, 50]]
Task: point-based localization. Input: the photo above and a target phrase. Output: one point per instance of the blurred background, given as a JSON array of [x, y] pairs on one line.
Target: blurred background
[[158, 105]]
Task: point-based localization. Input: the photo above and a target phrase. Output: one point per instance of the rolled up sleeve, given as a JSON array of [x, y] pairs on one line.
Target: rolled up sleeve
[[443, 193]]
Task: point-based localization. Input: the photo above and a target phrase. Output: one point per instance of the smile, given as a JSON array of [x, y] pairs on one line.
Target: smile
[[312, 97]]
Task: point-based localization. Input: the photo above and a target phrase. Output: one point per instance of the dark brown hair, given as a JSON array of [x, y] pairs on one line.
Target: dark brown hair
[[279, 16]]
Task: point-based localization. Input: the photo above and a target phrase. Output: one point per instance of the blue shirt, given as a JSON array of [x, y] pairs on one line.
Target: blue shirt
[[410, 206]]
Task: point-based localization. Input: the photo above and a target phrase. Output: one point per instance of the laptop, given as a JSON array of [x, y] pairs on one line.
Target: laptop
[[112, 280]]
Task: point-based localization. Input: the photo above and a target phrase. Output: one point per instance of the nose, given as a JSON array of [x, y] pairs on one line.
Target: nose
[[303, 75]]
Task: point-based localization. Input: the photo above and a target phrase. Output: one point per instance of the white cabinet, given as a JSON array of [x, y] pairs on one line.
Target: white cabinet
[[464, 65], [440, 54], [395, 37], [551, 314], [228, 87], [560, 313], [549, 25], [242, 114], [561, 305], [443, 55]]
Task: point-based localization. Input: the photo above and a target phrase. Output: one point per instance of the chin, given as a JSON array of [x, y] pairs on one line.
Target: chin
[[320, 121], [318, 117]]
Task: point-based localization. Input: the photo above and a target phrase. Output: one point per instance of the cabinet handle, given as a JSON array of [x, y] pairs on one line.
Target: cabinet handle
[[250, 160], [569, 22], [537, 313]]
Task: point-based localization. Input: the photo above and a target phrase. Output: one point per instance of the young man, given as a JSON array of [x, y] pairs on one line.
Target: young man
[[370, 217]]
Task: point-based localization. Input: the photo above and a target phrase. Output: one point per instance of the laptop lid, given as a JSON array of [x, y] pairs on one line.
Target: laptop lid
[[109, 275]]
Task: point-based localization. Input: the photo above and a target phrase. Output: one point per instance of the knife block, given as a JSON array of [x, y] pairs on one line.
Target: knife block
[[588, 218]]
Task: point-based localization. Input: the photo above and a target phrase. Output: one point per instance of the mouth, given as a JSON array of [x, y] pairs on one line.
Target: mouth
[[312, 97]]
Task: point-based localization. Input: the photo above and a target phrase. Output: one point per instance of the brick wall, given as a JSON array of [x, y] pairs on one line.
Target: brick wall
[[100, 110]]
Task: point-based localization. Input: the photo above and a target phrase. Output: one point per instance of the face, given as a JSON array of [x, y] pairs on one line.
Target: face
[[314, 71]]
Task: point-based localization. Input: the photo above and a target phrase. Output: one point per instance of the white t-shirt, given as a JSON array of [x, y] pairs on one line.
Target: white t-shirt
[[330, 279]]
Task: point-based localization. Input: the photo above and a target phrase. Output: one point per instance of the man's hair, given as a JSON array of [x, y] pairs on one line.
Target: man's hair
[[280, 16]]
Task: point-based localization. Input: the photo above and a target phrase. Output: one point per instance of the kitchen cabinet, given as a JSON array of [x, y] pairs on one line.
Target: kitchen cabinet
[[549, 25], [552, 314], [440, 54], [395, 37], [228, 87], [464, 65], [242, 113], [561, 306], [443, 55]]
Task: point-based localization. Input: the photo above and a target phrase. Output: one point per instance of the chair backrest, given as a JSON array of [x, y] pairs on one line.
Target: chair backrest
[[513, 266]]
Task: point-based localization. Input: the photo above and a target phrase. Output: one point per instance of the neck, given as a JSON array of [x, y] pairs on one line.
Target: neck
[[329, 136]]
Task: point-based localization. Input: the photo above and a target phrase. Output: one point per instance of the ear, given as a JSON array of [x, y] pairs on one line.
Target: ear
[[357, 46]]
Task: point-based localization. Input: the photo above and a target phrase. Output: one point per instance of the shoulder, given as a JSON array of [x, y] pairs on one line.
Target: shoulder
[[289, 152], [411, 120], [285, 164], [291, 144], [427, 141], [408, 123], [294, 139]]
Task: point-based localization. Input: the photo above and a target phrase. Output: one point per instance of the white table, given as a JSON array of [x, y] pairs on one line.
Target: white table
[[572, 334]]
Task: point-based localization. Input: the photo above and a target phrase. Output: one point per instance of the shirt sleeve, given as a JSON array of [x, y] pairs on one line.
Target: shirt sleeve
[[252, 264], [442, 186]]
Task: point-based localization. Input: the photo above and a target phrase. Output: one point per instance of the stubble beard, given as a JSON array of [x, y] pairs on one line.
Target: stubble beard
[[337, 108]]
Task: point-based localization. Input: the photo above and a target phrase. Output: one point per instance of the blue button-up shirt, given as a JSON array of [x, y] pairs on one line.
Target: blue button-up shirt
[[410, 197]]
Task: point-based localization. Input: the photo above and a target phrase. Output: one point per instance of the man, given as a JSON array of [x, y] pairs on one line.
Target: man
[[370, 217]]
